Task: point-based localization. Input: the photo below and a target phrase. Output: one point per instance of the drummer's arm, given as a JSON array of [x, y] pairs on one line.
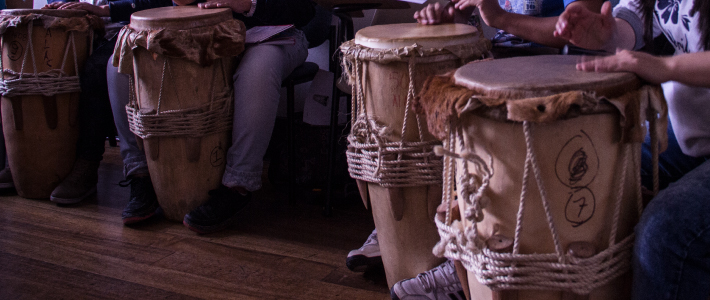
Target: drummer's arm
[[535, 29], [688, 68]]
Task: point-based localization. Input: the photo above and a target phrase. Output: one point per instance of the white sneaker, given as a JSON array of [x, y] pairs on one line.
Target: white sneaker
[[366, 256], [436, 284]]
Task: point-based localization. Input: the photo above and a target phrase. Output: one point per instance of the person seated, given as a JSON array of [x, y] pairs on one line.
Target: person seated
[[257, 86], [670, 250], [95, 118]]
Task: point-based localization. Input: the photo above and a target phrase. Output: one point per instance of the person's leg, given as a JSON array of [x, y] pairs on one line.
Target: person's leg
[[143, 202], [672, 247], [257, 86], [95, 119]]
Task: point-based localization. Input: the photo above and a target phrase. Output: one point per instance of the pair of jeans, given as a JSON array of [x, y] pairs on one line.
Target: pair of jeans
[[671, 257], [257, 87]]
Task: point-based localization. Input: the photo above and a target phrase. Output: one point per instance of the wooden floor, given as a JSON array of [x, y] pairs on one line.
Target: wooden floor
[[276, 250]]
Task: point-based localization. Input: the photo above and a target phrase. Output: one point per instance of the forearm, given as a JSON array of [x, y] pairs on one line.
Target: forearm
[[623, 37], [535, 29], [689, 68]]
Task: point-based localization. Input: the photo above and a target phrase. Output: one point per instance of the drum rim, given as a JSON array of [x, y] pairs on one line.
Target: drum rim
[[206, 17], [464, 34], [62, 13], [608, 84]]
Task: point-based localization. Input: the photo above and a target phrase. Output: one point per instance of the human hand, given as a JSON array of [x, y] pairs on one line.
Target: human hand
[[53, 5], [489, 10], [435, 14], [650, 68], [101, 11], [586, 29], [237, 6]]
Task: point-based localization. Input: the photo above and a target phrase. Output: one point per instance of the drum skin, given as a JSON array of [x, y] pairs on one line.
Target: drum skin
[[404, 217], [580, 165], [182, 169], [41, 131]]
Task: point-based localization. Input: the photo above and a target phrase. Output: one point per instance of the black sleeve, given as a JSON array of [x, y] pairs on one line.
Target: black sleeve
[[282, 12], [121, 10]]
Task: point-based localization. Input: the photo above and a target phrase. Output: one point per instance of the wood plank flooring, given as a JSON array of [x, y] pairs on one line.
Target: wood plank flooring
[[277, 250]]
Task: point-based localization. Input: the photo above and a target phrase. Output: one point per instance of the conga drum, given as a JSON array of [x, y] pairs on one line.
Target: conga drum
[[544, 161], [181, 60], [390, 151], [42, 53]]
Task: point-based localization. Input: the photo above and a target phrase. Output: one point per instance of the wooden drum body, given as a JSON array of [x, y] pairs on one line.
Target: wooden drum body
[[189, 101], [39, 117], [522, 123], [389, 150]]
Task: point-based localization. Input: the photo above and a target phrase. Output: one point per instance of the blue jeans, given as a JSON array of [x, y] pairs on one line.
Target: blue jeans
[[257, 87], [672, 247]]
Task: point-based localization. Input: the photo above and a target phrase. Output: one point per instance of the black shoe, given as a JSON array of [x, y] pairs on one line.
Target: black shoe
[[143, 202], [218, 212]]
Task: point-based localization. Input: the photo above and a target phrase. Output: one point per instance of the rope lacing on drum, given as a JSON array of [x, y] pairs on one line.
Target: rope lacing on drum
[[46, 83], [374, 154], [550, 271], [211, 117]]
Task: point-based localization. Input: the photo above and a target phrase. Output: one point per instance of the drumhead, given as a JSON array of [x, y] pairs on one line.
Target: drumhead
[[406, 34], [61, 13], [179, 17], [540, 76]]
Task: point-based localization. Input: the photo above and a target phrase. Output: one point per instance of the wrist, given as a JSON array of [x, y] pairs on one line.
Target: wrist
[[492, 14], [252, 8]]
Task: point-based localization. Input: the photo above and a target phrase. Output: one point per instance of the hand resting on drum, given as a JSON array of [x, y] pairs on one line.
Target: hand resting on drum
[[237, 6], [99, 10], [586, 29]]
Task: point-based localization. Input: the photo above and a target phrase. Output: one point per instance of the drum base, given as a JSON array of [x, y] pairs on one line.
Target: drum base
[[40, 138], [406, 244]]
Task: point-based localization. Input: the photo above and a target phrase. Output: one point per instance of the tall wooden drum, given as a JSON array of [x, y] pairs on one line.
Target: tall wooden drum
[[42, 53], [545, 163], [390, 150], [182, 60]]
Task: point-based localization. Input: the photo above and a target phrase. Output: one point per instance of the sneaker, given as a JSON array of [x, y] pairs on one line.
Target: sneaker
[[6, 179], [366, 256], [79, 184], [438, 283], [218, 212], [143, 202]]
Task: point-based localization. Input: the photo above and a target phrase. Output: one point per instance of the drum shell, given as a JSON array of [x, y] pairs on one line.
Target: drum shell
[[404, 216], [182, 183], [40, 157], [506, 142]]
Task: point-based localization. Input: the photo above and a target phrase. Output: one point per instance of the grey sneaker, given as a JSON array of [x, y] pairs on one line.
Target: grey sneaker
[[366, 256], [79, 184], [6, 179], [436, 284]]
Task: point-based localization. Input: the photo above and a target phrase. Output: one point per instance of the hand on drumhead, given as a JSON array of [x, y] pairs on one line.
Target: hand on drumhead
[[53, 5], [435, 14], [586, 29], [101, 11], [646, 66], [237, 6]]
